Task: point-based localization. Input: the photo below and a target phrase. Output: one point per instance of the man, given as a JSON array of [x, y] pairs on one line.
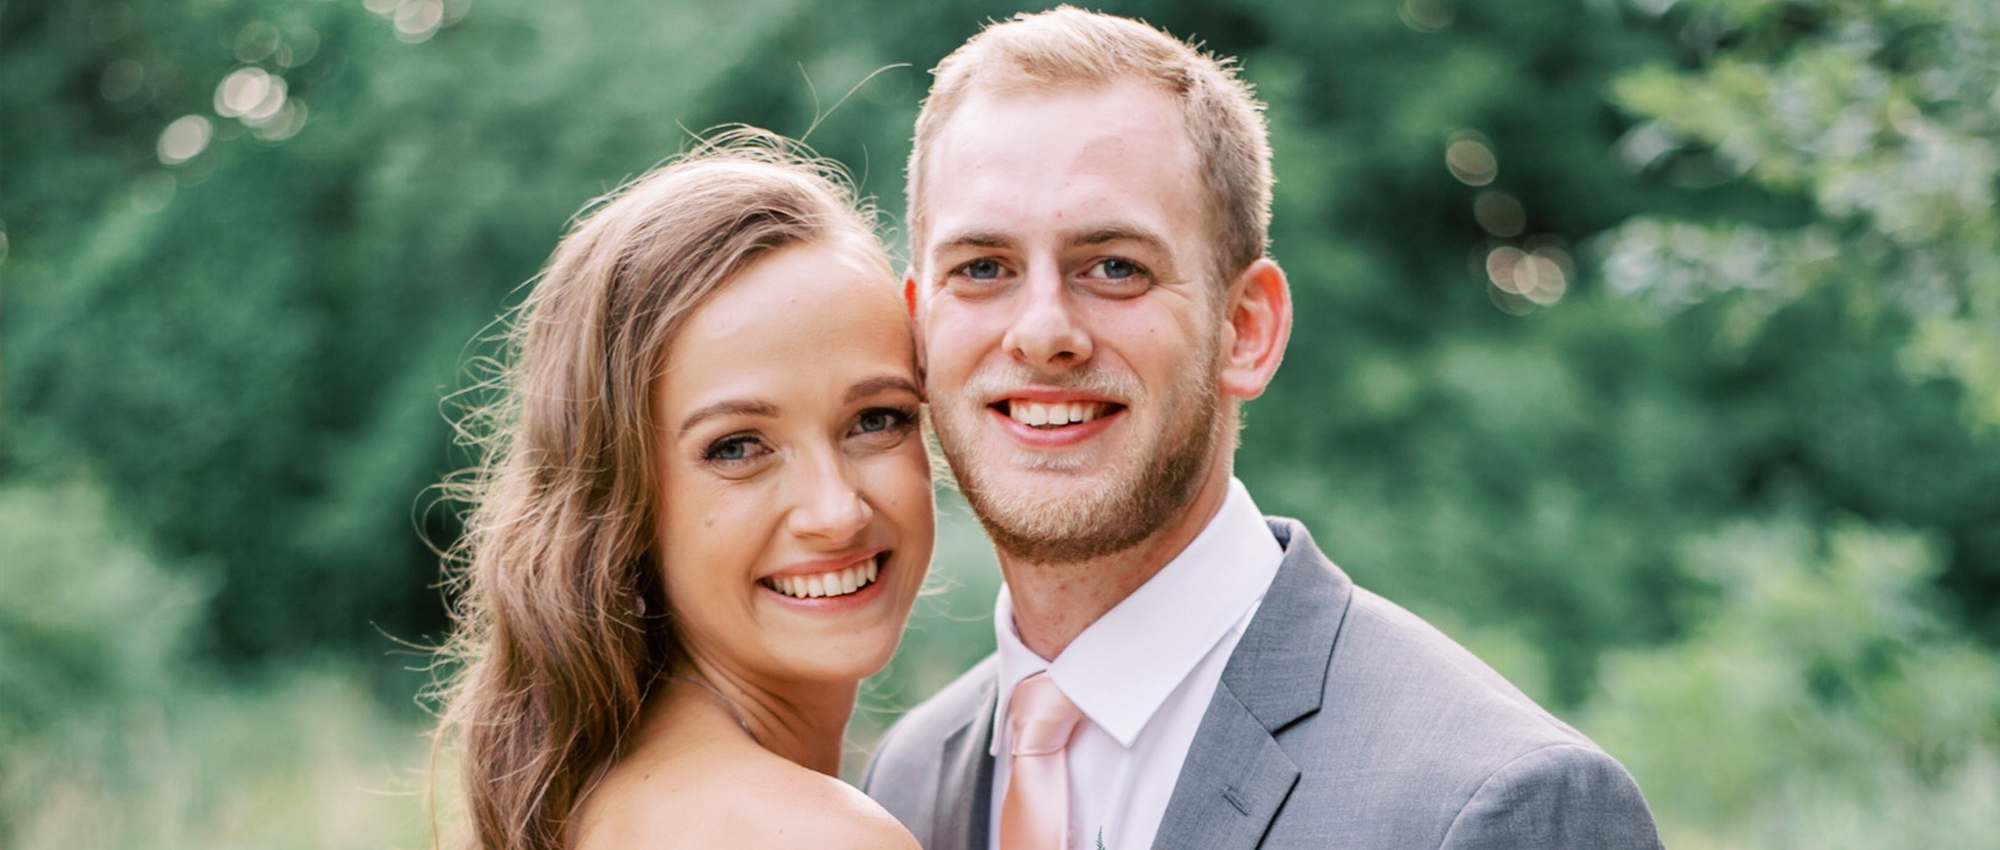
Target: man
[[1089, 199]]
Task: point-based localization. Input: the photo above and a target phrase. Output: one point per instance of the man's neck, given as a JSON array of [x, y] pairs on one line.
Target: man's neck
[[1055, 602]]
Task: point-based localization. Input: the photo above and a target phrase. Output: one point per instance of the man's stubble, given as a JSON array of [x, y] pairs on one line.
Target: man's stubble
[[1142, 492]]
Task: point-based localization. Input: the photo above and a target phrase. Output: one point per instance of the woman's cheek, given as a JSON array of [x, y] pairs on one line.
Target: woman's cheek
[[902, 475]]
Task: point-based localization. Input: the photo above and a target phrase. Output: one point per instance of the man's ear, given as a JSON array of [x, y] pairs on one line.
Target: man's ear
[[916, 328], [910, 291], [1256, 325]]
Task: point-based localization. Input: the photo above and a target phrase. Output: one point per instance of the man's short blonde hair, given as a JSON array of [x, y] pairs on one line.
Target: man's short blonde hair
[[1070, 48]]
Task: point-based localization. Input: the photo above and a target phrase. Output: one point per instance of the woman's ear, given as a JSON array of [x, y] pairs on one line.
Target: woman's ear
[[1256, 325]]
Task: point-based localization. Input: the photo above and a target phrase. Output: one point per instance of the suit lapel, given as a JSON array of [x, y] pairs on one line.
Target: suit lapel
[[1232, 784], [965, 786], [1237, 776]]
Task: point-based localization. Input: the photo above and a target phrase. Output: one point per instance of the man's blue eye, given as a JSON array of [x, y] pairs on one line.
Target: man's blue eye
[[982, 269], [1116, 269]]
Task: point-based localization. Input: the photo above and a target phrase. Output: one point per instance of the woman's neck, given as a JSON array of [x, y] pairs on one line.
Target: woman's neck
[[802, 722]]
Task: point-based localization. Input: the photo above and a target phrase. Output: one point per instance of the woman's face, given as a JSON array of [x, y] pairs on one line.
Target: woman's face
[[796, 515]]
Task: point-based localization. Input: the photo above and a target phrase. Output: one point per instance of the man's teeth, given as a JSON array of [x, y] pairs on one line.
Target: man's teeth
[[1055, 415], [836, 583]]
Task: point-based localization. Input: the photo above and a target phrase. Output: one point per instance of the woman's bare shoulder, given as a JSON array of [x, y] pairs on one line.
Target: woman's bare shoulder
[[759, 801]]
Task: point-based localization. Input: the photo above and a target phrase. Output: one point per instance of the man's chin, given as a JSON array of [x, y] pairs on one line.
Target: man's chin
[[1045, 515], [1070, 476], [1065, 469]]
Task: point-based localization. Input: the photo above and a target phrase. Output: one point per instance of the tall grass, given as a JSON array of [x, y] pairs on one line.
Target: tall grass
[[114, 738]]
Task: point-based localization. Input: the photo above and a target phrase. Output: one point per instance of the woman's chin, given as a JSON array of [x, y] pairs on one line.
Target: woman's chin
[[840, 663]]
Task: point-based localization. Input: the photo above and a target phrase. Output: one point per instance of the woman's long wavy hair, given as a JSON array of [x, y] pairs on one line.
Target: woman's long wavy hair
[[560, 612]]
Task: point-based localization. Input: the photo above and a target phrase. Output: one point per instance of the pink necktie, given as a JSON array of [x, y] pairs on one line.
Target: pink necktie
[[1035, 813]]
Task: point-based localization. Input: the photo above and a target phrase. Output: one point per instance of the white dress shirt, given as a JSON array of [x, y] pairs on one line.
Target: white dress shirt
[[1143, 675]]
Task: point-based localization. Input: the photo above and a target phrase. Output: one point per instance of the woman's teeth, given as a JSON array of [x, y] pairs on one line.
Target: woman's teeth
[[1040, 415], [836, 583]]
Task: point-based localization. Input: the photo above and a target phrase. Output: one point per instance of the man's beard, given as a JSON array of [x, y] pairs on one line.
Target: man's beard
[[1087, 520]]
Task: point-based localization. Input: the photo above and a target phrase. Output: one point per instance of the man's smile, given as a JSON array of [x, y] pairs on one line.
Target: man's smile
[[1039, 414]]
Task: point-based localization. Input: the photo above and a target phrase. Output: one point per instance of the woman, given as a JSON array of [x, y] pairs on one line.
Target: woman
[[704, 515]]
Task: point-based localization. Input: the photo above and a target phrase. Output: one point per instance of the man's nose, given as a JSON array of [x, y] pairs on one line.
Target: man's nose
[[829, 506], [1047, 331]]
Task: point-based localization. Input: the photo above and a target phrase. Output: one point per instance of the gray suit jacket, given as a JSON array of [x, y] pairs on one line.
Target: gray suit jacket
[[1342, 720]]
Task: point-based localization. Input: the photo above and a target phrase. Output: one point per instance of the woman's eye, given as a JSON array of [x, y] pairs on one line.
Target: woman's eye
[[882, 419], [874, 420], [733, 449]]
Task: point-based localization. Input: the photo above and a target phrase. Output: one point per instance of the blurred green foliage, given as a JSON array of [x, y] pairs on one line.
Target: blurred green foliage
[[1651, 347], [1883, 116], [1819, 702], [114, 737], [88, 619]]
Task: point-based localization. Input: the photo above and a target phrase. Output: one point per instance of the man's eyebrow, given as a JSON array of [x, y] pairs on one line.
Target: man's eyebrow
[[727, 408], [1105, 235], [871, 386], [976, 239]]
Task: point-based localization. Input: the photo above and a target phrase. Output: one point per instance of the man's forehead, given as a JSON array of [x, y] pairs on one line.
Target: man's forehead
[[1084, 152], [988, 117]]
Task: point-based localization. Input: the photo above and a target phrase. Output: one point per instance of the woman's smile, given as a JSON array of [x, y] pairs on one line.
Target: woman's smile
[[808, 581]]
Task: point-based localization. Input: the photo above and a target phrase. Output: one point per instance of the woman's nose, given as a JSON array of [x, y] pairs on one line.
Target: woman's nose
[[830, 506]]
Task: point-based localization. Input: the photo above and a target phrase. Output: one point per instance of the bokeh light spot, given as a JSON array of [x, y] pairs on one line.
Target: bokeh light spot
[[302, 47], [1425, 15], [1500, 264], [1540, 276], [121, 80], [242, 91], [1509, 303], [418, 20], [285, 124], [185, 139], [256, 42], [1471, 158], [269, 106], [1539, 279], [1500, 214]]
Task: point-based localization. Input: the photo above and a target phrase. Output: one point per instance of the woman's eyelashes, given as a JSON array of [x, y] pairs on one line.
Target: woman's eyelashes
[[873, 426], [734, 450], [884, 422]]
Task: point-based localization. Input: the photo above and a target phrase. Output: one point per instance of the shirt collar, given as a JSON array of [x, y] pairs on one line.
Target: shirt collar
[[1168, 625]]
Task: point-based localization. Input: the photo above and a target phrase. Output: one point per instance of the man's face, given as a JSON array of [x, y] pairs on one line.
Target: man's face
[[1069, 317]]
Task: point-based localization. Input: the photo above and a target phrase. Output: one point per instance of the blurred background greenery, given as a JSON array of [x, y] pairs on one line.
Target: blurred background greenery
[[1650, 347]]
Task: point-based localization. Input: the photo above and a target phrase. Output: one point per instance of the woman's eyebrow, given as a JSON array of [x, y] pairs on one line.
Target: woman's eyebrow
[[727, 408], [868, 387]]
